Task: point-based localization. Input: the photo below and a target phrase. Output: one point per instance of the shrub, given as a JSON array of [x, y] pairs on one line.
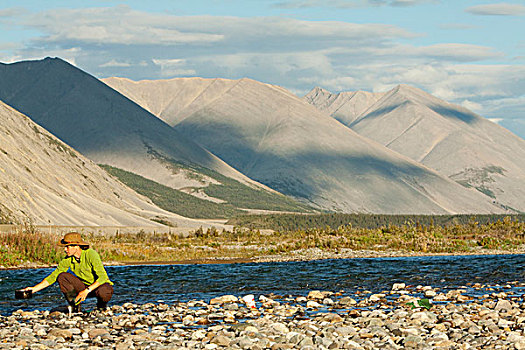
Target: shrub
[[28, 245]]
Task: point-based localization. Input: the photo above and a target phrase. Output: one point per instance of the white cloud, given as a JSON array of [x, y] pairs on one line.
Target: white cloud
[[262, 48], [12, 12], [173, 67], [8, 46], [459, 52], [507, 107], [404, 3], [297, 4], [451, 52], [115, 63], [116, 25], [494, 120], [473, 106], [169, 62], [121, 25], [459, 82], [498, 9]]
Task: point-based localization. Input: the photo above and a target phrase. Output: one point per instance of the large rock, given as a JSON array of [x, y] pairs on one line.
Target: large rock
[[58, 332], [224, 299], [503, 305]]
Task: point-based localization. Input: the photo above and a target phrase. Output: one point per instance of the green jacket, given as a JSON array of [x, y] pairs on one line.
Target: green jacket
[[89, 269]]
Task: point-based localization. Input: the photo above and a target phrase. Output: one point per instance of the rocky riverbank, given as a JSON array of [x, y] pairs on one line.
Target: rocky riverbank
[[474, 317], [345, 253]]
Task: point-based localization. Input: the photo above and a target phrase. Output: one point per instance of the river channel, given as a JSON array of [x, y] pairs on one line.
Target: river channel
[[171, 283]]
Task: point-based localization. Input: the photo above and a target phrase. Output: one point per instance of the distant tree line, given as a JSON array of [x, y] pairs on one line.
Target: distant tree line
[[293, 222]]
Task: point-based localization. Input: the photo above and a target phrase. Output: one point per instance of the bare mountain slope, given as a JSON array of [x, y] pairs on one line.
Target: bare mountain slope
[[345, 106], [174, 99], [47, 182], [276, 138], [448, 138], [106, 126]]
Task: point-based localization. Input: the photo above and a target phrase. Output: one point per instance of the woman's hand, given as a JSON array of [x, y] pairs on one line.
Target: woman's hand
[[81, 296]]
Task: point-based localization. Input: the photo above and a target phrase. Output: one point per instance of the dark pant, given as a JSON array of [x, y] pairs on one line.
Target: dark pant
[[71, 285]]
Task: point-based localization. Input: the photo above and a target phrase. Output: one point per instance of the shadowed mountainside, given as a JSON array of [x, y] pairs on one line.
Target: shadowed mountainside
[[111, 129], [278, 139], [44, 181]]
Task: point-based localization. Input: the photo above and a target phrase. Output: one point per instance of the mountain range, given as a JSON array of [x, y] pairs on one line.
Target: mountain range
[[456, 142], [245, 145], [110, 129], [278, 139]]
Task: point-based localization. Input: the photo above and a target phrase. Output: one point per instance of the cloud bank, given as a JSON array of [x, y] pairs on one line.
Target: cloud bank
[[295, 4], [500, 9], [296, 54]]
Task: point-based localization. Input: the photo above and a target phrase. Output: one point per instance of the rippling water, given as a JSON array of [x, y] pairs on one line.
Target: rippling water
[[170, 283]]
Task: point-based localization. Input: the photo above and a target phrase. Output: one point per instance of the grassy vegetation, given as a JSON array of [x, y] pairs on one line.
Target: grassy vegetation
[[167, 247], [232, 191], [505, 235], [28, 245], [291, 222], [479, 178], [243, 196], [235, 195], [173, 200], [473, 237]]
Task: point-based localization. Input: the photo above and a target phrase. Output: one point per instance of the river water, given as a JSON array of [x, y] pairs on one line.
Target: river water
[[171, 283]]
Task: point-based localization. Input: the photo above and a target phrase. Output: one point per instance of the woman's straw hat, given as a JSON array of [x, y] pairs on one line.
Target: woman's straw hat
[[73, 238]]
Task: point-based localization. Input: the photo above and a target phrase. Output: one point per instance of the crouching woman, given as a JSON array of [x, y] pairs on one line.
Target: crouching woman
[[88, 278]]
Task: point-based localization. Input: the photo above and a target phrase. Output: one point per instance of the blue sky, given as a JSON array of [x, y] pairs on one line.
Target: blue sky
[[467, 52]]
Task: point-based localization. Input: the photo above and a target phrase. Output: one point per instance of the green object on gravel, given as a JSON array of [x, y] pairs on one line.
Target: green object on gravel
[[421, 303]]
